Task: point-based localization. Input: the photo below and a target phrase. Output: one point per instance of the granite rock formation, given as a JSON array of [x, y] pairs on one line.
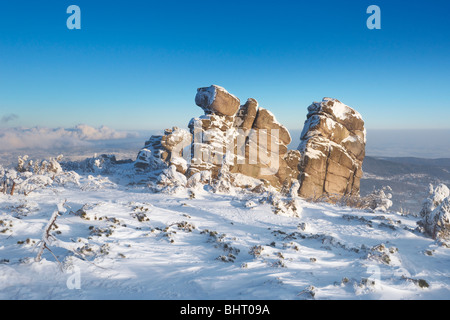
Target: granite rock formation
[[162, 151], [232, 141], [332, 150]]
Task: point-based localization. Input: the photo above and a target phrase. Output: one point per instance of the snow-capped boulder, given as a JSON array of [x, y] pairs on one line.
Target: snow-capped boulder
[[217, 100], [435, 213], [332, 150], [160, 152]]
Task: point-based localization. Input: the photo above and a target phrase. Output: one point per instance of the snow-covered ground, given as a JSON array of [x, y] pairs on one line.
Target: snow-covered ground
[[121, 241]]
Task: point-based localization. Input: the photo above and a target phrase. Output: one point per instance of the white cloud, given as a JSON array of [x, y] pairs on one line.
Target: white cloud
[[49, 138]]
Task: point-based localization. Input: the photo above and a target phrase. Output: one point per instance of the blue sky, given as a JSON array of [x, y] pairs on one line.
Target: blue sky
[[136, 65]]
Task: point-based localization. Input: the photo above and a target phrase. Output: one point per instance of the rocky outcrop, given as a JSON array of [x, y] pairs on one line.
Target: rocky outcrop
[[230, 142], [213, 133], [162, 151], [332, 150], [248, 140], [264, 149], [213, 136]]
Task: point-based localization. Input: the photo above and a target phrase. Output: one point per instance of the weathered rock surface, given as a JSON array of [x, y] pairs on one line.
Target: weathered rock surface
[[213, 143], [247, 114], [249, 141], [332, 150], [230, 142], [216, 100], [264, 152], [160, 152]]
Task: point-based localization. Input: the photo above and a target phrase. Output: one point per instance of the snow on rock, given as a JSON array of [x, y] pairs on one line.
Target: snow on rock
[[212, 137], [205, 96], [165, 150], [339, 110], [248, 140], [217, 100], [243, 181], [332, 150], [199, 179]]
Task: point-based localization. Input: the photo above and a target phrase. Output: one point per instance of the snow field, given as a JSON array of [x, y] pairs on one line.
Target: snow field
[[124, 242]]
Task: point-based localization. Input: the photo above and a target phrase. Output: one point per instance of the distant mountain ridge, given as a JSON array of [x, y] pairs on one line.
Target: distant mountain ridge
[[386, 166], [409, 178]]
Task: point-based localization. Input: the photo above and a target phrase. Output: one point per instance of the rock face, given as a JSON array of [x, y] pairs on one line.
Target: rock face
[[161, 152], [244, 145], [247, 114], [213, 136], [263, 146], [249, 142], [332, 150]]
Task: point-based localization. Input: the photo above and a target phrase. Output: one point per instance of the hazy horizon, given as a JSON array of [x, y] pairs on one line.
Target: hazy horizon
[[427, 144]]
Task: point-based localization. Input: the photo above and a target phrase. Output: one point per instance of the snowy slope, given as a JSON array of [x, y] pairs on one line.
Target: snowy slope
[[124, 242]]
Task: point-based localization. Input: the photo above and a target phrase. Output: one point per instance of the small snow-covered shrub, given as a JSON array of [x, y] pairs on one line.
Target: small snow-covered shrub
[[282, 205], [103, 164], [377, 200], [435, 213], [380, 200], [35, 182], [29, 176], [44, 167], [24, 207], [9, 179], [97, 183]]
